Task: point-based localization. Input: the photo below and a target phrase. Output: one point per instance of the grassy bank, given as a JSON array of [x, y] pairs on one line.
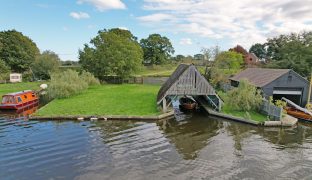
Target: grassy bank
[[10, 87], [252, 115], [106, 100]]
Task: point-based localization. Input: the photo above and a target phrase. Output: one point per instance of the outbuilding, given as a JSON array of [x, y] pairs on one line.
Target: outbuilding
[[277, 83], [186, 80], [15, 77]]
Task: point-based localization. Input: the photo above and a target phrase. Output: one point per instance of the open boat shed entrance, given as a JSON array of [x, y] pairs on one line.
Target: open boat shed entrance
[[187, 80]]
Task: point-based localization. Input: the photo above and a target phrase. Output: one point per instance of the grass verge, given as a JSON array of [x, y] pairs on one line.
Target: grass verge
[[15, 87], [126, 99]]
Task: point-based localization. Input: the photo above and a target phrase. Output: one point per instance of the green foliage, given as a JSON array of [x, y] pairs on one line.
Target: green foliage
[[259, 50], [112, 52], [45, 64], [291, 51], [4, 71], [179, 57], [245, 98], [294, 55], [229, 60], [199, 57], [89, 78], [216, 77], [157, 49], [16, 50], [68, 83]]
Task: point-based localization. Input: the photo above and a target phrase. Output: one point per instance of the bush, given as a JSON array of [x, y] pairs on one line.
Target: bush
[[245, 98], [68, 83], [89, 78], [216, 77]]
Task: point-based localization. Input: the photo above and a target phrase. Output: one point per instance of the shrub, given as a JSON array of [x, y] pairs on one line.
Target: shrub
[[216, 77], [245, 97], [89, 78], [68, 83]]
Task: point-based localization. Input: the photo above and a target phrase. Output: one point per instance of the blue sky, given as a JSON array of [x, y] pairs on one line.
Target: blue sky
[[64, 26]]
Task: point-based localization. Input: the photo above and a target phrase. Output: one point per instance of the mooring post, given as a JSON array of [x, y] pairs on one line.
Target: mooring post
[[164, 103]]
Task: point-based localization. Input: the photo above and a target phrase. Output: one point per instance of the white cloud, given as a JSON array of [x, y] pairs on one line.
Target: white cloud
[[186, 41], [158, 17], [103, 5], [79, 15], [123, 28], [244, 22]]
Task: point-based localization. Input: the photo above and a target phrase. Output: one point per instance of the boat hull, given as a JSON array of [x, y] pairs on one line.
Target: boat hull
[[299, 114], [34, 102], [187, 104]]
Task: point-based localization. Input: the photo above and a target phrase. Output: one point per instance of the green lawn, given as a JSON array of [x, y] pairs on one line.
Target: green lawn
[[123, 99], [14, 87], [254, 115], [157, 70], [226, 109]]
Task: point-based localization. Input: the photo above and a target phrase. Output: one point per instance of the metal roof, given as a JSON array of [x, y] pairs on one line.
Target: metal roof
[[260, 76]]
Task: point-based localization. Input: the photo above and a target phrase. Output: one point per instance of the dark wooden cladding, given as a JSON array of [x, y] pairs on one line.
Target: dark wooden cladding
[[185, 80]]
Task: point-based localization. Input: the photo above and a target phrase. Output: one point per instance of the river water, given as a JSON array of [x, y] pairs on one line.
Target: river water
[[188, 147]]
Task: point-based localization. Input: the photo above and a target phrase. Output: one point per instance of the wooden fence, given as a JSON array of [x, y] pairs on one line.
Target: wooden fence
[[274, 112]]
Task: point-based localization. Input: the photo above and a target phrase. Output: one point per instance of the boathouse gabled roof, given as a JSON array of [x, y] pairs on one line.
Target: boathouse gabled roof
[[260, 76], [185, 80]]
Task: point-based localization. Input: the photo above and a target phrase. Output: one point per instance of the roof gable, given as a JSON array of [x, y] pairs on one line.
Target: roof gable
[[185, 80]]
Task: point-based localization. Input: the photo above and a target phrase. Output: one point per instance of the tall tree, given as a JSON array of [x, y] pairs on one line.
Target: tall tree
[[229, 60], [45, 64], [4, 71], [112, 52], [16, 50], [157, 49], [259, 50], [293, 51]]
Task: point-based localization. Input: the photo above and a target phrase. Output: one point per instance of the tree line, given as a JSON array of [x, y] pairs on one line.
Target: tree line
[[117, 52], [112, 52], [290, 51]]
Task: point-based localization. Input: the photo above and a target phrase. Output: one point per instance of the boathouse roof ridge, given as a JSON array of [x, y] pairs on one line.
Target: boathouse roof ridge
[[260, 76], [175, 75], [185, 80]]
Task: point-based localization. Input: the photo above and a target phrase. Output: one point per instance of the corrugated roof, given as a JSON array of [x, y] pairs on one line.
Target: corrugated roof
[[260, 76]]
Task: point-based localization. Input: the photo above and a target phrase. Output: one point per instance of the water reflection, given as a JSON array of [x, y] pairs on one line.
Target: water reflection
[[22, 113], [192, 146], [190, 136]]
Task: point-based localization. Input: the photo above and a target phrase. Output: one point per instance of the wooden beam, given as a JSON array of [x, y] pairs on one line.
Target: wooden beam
[[164, 104]]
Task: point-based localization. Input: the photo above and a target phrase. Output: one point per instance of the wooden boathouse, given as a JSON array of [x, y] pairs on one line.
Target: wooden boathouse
[[187, 80]]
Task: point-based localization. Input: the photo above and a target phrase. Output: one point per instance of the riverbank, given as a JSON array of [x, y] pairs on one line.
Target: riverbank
[[125, 99], [14, 87]]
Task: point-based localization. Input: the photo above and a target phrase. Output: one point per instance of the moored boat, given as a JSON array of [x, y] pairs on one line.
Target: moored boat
[[297, 111], [19, 100], [188, 103]]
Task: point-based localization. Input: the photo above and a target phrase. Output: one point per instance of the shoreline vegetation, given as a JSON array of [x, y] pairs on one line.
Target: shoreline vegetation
[[251, 115], [107, 99]]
